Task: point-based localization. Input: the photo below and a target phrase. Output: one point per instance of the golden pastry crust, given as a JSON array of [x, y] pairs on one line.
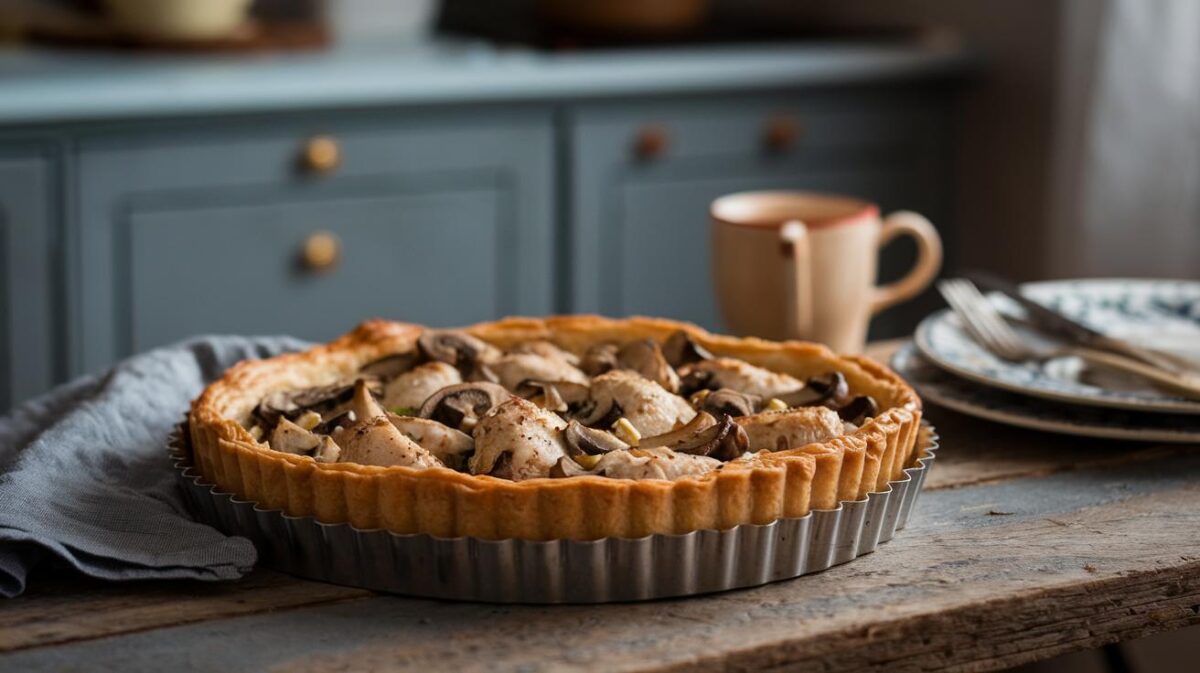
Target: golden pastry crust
[[447, 503]]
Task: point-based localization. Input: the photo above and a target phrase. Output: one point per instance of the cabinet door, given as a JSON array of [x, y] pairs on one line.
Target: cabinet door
[[27, 339], [642, 242], [441, 220]]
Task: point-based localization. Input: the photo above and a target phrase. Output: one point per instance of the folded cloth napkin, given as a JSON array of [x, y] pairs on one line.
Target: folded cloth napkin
[[85, 477]]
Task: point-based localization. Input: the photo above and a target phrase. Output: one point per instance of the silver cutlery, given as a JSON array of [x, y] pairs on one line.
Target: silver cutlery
[[990, 329], [1052, 322]]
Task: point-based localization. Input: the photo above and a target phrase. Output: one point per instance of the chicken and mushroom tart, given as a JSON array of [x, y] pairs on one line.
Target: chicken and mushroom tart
[[576, 427]]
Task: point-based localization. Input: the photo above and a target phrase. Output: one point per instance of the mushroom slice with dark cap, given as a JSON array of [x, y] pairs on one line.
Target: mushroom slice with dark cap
[[581, 440], [704, 436], [462, 405], [389, 367], [557, 396], [729, 402], [448, 445], [329, 425], [828, 389], [645, 357], [680, 349], [546, 349], [859, 409], [292, 403], [456, 348], [598, 359]]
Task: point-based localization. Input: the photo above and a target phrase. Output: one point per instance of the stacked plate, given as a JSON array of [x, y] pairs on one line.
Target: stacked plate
[[948, 368]]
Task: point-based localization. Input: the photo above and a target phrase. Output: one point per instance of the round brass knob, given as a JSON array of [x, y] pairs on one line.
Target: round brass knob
[[651, 142], [321, 251], [322, 154], [781, 133]]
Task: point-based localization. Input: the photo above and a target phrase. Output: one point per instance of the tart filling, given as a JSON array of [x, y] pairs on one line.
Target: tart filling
[[576, 427], [640, 409]]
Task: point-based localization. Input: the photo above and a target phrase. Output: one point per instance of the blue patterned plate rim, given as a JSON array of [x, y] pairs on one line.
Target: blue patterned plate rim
[[943, 342], [946, 390]]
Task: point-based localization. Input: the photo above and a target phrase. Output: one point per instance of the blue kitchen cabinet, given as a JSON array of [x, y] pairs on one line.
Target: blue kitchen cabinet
[[643, 175], [308, 226], [29, 346]]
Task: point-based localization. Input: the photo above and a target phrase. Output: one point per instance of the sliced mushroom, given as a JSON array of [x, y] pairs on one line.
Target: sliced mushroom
[[582, 440], [859, 409], [645, 357], [780, 430], [389, 367], [376, 441], [738, 375], [829, 389], [696, 380], [328, 451], [462, 405], [647, 406], [517, 440], [680, 349], [598, 359], [292, 403], [557, 396], [456, 348], [410, 389], [729, 402], [448, 445], [704, 436], [328, 426], [291, 438]]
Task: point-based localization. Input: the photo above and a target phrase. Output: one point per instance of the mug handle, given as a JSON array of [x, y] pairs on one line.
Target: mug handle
[[929, 258], [794, 245]]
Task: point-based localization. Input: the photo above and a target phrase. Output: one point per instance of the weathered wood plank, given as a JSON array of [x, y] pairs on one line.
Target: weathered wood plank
[[1079, 558], [79, 608]]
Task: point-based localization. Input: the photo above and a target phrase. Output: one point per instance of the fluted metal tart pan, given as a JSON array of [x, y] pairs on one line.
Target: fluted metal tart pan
[[560, 571]]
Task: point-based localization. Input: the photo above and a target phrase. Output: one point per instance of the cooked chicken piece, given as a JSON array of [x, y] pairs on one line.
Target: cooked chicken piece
[[513, 368], [738, 375], [546, 349], [779, 430], [647, 406], [660, 463], [410, 389], [518, 440], [291, 438], [445, 443], [376, 441]]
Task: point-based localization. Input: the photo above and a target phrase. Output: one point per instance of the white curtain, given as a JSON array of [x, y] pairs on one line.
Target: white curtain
[[1127, 179]]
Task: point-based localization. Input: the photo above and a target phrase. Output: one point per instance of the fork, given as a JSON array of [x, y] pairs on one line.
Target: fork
[[989, 328]]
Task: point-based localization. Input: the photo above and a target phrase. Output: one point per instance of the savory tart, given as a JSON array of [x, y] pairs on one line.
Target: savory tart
[[576, 427]]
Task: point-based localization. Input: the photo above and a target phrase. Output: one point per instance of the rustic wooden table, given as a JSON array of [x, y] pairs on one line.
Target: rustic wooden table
[[1024, 546]]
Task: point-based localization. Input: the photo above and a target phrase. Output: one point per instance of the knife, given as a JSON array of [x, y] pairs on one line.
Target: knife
[[1055, 323]]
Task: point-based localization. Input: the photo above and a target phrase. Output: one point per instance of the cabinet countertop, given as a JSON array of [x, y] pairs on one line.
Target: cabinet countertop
[[42, 86]]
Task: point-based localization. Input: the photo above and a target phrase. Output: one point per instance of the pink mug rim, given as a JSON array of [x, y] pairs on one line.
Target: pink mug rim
[[851, 210]]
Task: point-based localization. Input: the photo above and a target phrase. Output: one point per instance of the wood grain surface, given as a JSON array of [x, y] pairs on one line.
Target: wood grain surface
[[1024, 546]]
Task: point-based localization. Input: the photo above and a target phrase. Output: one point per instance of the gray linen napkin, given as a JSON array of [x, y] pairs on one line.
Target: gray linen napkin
[[84, 474]]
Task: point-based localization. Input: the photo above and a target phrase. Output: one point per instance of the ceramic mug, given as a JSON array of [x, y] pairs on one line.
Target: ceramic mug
[[799, 265]]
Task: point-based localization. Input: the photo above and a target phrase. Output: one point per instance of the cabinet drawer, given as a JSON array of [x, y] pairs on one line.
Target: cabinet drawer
[[438, 218], [316, 269], [776, 127]]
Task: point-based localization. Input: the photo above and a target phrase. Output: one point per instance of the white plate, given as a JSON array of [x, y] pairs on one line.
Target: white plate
[[947, 390], [1153, 313]]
